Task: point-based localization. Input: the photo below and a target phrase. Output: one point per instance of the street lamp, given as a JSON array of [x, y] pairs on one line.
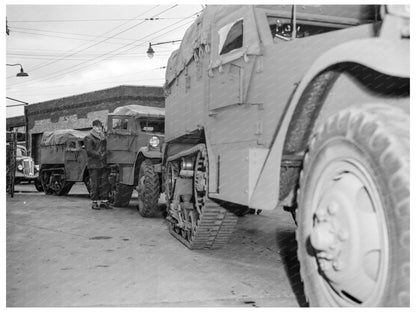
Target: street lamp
[[150, 52], [22, 72]]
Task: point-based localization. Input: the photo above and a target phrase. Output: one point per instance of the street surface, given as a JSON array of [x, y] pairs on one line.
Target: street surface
[[61, 253]]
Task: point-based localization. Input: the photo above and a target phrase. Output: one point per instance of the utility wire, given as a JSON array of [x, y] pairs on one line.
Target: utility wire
[[62, 72], [95, 44], [46, 58], [37, 31], [57, 36], [90, 46], [98, 60], [57, 53], [93, 20]]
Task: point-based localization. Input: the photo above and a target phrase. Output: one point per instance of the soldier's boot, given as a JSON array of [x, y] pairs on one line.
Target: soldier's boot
[[95, 205], [105, 204]]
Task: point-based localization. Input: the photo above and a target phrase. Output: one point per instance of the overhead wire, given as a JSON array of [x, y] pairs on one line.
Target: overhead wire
[[39, 31], [82, 58], [90, 46], [56, 36], [32, 69], [89, 20], [64, 72]]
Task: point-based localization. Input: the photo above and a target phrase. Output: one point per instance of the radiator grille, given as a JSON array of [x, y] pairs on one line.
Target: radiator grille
[[28, 167]]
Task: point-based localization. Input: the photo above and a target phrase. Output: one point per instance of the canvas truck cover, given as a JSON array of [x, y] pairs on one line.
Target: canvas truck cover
[[59, 137], [199, 39], [140, 111]]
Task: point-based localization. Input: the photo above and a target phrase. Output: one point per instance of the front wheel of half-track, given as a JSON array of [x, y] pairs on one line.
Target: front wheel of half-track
[[353, 217]]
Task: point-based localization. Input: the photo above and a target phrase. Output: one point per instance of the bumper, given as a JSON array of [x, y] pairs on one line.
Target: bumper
[[23, 177]]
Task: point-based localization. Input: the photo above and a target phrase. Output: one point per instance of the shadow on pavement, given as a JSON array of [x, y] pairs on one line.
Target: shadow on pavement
[[77, 195], [287, 245]]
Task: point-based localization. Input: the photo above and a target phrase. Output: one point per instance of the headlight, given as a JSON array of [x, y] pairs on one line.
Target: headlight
[[154, 141], [20, 167], [37, 167]]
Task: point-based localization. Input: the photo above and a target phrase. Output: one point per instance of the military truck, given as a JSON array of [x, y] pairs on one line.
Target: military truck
[[305, 108], [63, 161], [134, 140]]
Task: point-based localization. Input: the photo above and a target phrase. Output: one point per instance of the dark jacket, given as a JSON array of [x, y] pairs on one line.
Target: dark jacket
[[96, 151]]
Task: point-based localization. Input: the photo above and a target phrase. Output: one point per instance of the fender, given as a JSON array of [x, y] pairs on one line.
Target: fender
[[130, 178], [148, 153], [385, 56]]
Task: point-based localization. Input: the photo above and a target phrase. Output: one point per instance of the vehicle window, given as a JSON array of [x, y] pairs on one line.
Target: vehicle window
[[231, 37], [281, 28], [120, 123], [152, 126], [20, 152], [72, 144]]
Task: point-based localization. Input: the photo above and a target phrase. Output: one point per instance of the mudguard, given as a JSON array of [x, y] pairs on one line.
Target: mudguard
[[148, 153], [390, 57]]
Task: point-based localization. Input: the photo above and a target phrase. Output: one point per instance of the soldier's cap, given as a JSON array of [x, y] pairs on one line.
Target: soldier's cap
[[97, 123]]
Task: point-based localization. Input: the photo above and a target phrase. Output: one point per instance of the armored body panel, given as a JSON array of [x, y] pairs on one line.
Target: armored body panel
[[234, 76]]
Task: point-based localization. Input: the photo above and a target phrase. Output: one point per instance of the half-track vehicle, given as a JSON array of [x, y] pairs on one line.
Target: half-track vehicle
[[305, 108], [63, 161], [134, 139]]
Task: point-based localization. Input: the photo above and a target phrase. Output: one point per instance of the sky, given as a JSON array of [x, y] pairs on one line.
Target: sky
[[72, 49]]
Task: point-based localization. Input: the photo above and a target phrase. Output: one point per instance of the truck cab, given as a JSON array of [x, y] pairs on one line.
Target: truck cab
[[134, 143]]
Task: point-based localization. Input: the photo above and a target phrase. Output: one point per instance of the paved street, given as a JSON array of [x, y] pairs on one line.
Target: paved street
[[61, 253]]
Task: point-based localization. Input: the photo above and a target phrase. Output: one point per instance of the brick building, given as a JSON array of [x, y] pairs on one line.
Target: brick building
[[78, 111]]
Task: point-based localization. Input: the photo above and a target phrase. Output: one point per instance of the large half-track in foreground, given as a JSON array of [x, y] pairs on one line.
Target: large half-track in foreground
[[306, 108]]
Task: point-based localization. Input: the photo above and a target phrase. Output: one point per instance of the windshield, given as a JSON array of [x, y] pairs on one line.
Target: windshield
[[20, 152], [120, 123], [281, 28], [152, 126]]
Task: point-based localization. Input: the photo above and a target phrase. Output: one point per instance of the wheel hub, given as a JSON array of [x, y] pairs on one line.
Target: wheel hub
[[345, 237], [328, 238]]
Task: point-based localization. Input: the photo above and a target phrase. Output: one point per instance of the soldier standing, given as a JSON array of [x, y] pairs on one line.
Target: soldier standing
[[96, 145]]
